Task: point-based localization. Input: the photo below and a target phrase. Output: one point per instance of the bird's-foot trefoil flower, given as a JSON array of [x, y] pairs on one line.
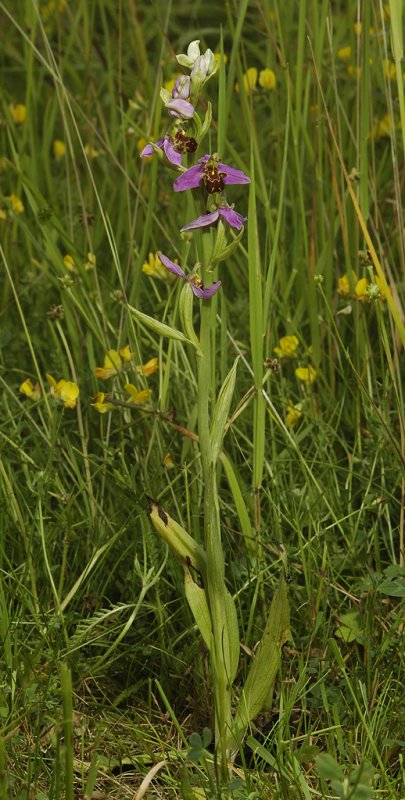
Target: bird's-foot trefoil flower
[[101, 404], [113, 362], [293, 415], [211, 173], [16, 204], [193, 280], [18, 112], [30, 390], [149, 368], [66, 391], [306, 374], [137, 396], [286, 347], [225, 213]]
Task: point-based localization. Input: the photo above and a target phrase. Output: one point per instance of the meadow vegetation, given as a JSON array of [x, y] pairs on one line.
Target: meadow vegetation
[[105, 680]]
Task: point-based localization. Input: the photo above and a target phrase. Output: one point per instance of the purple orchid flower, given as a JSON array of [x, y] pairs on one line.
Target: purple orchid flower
[[179, 106], [212, 174], [226, 213], [195, 282], [165, 144]]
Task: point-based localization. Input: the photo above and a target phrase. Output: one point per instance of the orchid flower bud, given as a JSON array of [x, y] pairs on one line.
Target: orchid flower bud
[[181, 88]]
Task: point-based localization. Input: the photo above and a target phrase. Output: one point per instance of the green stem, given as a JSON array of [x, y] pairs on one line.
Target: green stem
[[216, 588]]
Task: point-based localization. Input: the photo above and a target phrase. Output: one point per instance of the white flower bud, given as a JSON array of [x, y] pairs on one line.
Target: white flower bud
[[209, 61], [193, 50]]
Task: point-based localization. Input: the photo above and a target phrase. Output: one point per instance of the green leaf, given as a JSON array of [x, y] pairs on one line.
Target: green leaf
[[392, 588], [263, 671], [396, 7], [350, 628], [186, 308], [233, 636], [327, 767], [221, 411], [159, 327], [197, 600], [207, 737], [339, 789], [240, 505]]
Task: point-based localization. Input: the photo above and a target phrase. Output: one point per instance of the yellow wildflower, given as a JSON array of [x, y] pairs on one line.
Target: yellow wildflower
[[155, 269], [91, 152], [344, 286], [69, 262], [66, 391], [360, 290], [113, 362], [28, 388], [18, 113], [286, 347], [59, 149], [389, 69], [168, 461], [267, 79], [383, 127], [91, 261], [306, 374], [100, 404], [357, 27], [139, 397], [344, 53], [3, 214], [149, 368], [293, 415], [16, 204], [249, 80], [125, 353], [353, 70]]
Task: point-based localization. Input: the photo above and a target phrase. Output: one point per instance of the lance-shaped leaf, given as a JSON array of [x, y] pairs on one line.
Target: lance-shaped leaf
[[221, 411], [233, 637], [186, 308], [159, 327], [263, 671], [197, 600]]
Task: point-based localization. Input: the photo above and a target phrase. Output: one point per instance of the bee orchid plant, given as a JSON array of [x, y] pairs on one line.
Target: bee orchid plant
[[210, 601]]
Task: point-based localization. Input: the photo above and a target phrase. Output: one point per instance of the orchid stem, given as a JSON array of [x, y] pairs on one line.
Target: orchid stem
[[216, 588]]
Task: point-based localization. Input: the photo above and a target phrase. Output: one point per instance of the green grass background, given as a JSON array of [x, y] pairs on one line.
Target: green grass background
[[92, 611]]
